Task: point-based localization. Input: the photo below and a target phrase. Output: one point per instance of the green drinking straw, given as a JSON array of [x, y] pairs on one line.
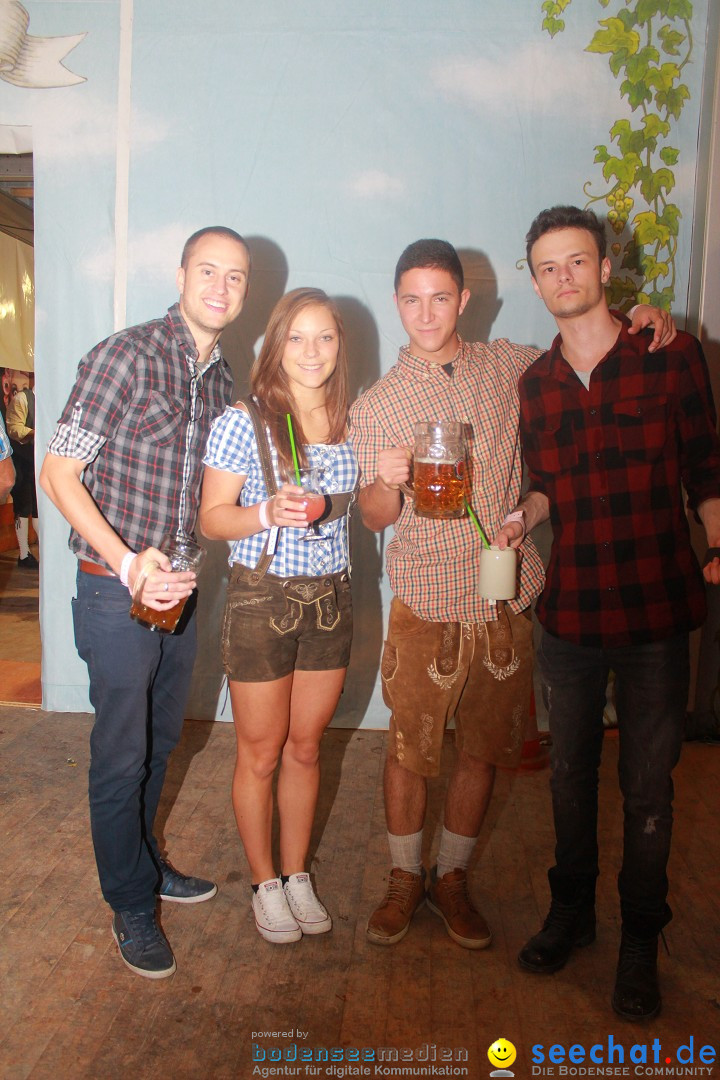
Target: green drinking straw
[[294, 450], [476, 523]]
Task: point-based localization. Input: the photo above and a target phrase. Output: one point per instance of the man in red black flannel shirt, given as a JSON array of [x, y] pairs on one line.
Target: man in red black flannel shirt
[[611, 434]]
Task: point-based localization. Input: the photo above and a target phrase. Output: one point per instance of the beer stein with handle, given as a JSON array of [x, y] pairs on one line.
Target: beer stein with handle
[[439, 480]]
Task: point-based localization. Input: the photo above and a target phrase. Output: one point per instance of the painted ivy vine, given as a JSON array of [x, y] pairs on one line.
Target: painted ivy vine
[[648, 43]]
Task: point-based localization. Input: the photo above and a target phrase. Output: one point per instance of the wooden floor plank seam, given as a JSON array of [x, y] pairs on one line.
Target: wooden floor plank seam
[[69, 1001]]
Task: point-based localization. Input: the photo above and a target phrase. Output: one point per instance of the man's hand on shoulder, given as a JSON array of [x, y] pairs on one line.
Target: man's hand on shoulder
[[644, 315], [709, 513], [711, 568]]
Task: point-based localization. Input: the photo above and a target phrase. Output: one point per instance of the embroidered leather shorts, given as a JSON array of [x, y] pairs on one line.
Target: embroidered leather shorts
[[279, 624], [478, 673]]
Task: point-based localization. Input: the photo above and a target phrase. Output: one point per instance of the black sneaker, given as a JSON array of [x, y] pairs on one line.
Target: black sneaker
[[183, 889], [29, 562], [142, 944]]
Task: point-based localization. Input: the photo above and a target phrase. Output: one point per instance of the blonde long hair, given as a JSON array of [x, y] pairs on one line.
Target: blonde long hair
[[269, 383]]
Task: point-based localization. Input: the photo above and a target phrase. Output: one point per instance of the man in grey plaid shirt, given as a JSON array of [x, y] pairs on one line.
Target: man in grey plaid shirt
[[124, 467]]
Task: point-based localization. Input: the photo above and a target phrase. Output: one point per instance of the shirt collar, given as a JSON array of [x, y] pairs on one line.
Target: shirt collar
[[425, 367], [558, 366], [179, 328]]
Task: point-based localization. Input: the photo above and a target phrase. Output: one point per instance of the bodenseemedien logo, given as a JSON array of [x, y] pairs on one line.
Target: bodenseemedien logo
[[502, 1054]]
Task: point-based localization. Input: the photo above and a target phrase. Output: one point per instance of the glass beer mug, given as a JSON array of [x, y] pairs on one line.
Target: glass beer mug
[[439, 470]]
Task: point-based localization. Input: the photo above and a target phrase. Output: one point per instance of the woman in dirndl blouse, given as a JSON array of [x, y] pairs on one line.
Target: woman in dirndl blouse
[[288, 618]]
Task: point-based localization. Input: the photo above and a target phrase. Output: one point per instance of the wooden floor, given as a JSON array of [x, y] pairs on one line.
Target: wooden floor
[[71, 1009], [19, 632]]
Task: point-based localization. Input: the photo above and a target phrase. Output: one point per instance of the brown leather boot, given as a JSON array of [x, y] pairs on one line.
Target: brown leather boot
[[448, 897], [405, 894]]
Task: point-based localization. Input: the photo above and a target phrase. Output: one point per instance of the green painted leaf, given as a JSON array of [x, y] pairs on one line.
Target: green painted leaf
[[661, 298], [669, 155], [663, 77], [655, 125], [553, 26], [613, 38], [680, 9], [636, 93], [647, 9], [654, 268], [648, 229], [654, 183], [625, 169], [670, 217], [619, 289], [673, 100], [637, 66], [618, 60], [553, 9], [671, 40], [630, 140], [627, 17], [601, 154]]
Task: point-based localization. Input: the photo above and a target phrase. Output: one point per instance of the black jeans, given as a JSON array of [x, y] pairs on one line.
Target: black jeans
[[651, 691], [139, 684]]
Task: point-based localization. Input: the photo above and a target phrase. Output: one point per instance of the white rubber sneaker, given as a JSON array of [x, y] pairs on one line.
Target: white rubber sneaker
[[309, 913], [273, 917]]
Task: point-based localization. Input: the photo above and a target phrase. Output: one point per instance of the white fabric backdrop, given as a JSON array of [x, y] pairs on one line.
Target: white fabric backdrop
[[331, 135]]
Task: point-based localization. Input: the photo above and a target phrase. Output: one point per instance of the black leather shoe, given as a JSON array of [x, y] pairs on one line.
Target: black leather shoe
[[637, 994], [567, 927]]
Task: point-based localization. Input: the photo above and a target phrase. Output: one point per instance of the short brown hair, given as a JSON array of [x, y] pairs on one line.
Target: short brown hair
[[566, 217], [435, 254], [209, 230]]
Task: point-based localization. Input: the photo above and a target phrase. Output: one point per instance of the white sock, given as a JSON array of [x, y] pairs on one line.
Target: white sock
[[406, 851], [455, 852], [21, 530]]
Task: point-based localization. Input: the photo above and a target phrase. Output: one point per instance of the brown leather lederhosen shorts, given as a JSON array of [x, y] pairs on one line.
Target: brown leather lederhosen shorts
[[478, 673], [275, 625]]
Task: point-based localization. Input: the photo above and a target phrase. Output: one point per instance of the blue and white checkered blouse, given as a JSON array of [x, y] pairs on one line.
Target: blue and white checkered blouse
[[232, 447]]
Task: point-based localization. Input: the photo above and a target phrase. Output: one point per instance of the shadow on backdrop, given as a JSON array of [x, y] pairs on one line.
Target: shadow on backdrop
[[268, 278], [483, 307], [366, 547]]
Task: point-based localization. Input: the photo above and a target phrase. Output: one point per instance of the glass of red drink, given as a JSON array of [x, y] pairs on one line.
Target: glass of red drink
[[311, 500]]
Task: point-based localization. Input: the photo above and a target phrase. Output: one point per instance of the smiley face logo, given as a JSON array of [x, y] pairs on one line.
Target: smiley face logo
[[502, 1053]]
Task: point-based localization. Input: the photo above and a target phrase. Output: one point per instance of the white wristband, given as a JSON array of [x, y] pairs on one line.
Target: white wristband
[[517, 515], [125, 568], [262, 513]]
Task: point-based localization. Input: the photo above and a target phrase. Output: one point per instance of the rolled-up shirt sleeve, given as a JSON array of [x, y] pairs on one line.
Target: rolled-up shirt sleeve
[[367, 439], [98, 401]]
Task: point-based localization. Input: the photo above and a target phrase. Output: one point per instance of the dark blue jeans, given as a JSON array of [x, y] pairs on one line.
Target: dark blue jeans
[[139, 683], [651, 691]]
